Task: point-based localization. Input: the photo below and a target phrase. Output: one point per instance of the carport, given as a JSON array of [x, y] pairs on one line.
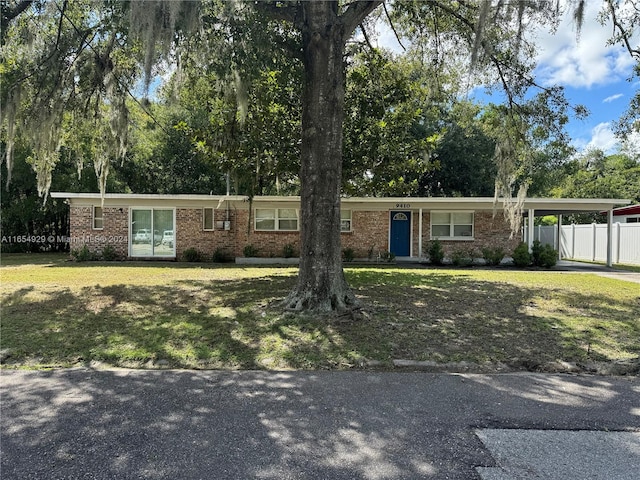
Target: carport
[[540, 207]]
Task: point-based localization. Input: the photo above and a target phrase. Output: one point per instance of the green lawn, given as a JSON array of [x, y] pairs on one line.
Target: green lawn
[[59, 313]]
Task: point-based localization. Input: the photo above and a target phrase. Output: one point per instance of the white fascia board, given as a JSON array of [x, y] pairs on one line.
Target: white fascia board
[[357, 203], [574, 204], [415, 203], [148, 196], [133, 199]]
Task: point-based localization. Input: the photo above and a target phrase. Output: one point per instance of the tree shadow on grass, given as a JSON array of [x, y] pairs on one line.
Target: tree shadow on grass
[[233, 324], [443, 317]]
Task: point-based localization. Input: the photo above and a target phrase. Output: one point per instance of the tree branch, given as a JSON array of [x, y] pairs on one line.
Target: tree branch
[[366, 37], [634, 52], [9, 14], [356, 12], [393, 27]]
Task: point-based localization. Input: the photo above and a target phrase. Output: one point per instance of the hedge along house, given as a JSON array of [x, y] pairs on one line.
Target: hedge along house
[[140, 226]]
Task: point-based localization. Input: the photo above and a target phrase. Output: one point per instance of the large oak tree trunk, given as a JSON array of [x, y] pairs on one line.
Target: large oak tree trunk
[[321, 283]]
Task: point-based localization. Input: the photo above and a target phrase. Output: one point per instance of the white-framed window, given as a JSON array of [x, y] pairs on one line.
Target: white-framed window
[[452, 225], [276, 219], [208, 219], [98, 222], [152, 232], [345, 221]]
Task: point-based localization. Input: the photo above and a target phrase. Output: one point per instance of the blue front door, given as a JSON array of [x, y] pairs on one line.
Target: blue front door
[[400, 241]]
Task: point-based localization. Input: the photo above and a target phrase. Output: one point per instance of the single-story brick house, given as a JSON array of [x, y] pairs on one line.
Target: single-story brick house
[[164, 226]]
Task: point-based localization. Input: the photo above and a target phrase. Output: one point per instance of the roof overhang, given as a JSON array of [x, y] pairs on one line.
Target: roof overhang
[[630, 210], [564, 206], [143, 199], [540, 206], [146, 196]]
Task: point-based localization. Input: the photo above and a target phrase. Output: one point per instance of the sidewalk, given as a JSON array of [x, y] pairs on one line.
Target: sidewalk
[[104, 424]]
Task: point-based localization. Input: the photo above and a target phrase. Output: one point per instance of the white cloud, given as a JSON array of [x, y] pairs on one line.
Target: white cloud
[[603, 138], [582, 62], [613, 97]]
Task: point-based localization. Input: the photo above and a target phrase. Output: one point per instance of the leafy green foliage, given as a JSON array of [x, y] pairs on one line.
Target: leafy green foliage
[[521, 256], [435, 252], [348, 255], [548, 257], [597, 175], [24, 214], [493, 255], [389, 125], [462, 257], [250, 250], [543, 255], [109, 253], [82, 254], [387, 256], [191, 255], [220, 255], [289, 250], [462, 161]]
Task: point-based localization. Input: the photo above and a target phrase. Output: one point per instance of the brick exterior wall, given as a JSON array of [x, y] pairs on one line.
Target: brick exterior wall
[[115, 231], [189, 232], [370, 233]]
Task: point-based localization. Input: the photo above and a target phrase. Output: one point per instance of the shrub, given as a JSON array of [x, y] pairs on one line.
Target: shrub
[[370, 252], [289, 251], [250, 251], [82, 254], [109, 253], [387, 256], [191, 255], [536, 251], [548, 257], [220, 255], [493, 256], [462, 257], [543, 255], [521, 255], [348, 255], [436, 252]]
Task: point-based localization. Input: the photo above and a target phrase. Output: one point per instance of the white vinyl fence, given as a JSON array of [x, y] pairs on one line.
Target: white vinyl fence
[[589, 242]]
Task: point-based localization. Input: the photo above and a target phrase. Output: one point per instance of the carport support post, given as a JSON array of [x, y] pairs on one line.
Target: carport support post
[[419, 235], [609, 238], [530, 229], [559, 236]]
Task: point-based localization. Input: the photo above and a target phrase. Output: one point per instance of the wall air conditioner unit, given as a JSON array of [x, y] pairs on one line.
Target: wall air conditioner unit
[[220, 225]]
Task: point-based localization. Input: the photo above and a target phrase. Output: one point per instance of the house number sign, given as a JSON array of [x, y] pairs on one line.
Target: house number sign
[[403, 205]]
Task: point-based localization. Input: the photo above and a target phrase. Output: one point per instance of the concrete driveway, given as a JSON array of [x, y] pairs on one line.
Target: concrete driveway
[[602, 270], [125, 424]]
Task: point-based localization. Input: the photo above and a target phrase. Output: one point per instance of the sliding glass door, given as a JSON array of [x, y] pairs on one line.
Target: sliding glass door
[[152, 232]]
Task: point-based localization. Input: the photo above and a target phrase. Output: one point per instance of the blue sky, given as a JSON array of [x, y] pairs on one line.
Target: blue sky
[[594, 75]]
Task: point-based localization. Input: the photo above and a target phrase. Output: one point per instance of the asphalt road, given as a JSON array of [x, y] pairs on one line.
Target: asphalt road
[[126, 424]]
